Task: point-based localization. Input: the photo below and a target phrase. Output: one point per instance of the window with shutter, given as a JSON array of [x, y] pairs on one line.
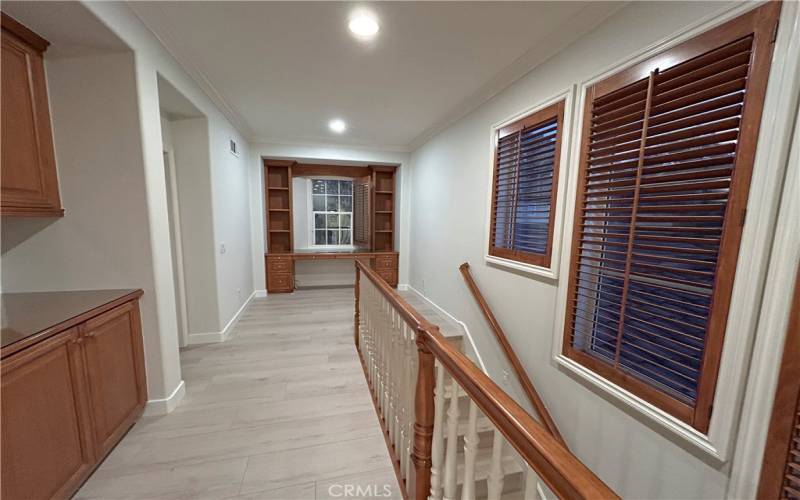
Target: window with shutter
[[666, 160], [525, 183]]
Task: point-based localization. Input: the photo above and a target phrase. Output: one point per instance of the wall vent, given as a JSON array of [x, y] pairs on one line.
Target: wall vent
[[234, 148]]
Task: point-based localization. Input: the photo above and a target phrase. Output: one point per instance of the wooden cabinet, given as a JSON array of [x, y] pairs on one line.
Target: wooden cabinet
[[280, 273], [29, 182], [114, 365], [47, 448], [387, 267], [68, 399]]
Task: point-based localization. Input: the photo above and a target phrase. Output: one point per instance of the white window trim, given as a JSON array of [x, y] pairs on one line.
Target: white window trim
[[769, 168], [551, 272], [310, 211], [774, 316]]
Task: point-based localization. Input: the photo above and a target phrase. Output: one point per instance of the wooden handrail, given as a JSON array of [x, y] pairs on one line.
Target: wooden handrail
[[522, 375], [567, 476], [563, 473]]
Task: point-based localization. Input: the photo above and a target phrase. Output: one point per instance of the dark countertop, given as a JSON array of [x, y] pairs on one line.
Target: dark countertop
[[25, 315]]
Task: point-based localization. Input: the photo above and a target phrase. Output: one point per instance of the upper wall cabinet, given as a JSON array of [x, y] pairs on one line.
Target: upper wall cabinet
[[28, 180]]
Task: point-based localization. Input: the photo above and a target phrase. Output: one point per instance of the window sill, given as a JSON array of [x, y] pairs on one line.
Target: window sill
[[544, 272], [663, 419]]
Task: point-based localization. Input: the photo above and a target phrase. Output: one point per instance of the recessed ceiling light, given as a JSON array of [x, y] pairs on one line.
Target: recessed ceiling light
[[363, 25], [337, 125]]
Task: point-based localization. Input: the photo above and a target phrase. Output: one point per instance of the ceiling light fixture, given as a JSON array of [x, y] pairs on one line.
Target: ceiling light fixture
[[363, 25], [338, 126]]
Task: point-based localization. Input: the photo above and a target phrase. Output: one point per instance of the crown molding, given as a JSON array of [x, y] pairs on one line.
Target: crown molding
[[322, 143]]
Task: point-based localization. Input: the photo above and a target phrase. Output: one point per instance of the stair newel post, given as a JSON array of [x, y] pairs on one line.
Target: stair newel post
[[423, 417]]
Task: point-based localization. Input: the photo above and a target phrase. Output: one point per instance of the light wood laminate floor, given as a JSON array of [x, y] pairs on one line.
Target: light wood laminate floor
[[279, 411]]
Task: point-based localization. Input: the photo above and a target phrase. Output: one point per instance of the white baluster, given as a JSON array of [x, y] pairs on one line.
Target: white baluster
[[437, 445], [404, 408], [470, 453], [397, 377], [411, 386], [530, 484], [495, 479], [451, 454], [391, 345]]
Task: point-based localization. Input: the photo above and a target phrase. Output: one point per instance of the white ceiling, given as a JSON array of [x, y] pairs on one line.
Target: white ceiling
[[282, 70], [70, 28]]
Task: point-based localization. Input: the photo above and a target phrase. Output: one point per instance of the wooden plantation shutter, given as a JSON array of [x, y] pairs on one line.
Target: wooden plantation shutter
[[361, 211], [780, 470], [666, 160], [524, 187]]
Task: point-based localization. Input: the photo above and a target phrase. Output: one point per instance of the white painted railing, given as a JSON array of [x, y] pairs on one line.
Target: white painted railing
[[452, 433]]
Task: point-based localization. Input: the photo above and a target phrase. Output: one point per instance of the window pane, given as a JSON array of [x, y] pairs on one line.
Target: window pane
[[344, 221], [319, 203], [319, 237], [332, 203], [332, 187], [345, 187], [347, 203], [318, 186], [344, 237], [319, 221], [333, 237], [333, 221]]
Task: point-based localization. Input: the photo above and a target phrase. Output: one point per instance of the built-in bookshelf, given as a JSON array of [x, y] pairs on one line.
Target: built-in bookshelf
[[383, 203], [278, 187]]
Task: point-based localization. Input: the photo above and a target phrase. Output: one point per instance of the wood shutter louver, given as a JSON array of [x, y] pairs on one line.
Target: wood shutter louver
[[665, 171], [524, 187], [361, 211]]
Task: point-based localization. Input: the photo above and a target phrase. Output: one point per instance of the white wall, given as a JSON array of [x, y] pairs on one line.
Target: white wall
[[230, 182], [316, 273], [190, 148], [449, 179], [103, 239], [229, 174]]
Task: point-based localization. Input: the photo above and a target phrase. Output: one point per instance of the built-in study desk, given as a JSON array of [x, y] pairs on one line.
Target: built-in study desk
[[280, 266]]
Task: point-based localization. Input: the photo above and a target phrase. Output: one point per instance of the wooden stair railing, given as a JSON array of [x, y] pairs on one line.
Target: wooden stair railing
[[405, 359], [519, 370]]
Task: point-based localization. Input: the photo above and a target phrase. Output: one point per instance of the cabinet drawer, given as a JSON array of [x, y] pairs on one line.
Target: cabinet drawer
[[280, 282], [389, 276], [385, 262], [280, 265]]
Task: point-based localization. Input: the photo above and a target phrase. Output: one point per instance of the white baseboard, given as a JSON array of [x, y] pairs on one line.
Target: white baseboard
[[225, 334], [156, 407], [260, 294], [404, 287], [451, 317]]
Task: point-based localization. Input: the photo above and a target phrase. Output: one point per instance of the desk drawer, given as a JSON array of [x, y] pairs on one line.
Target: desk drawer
[[385, 262], [280, 282], [389, 276], [280, 265]]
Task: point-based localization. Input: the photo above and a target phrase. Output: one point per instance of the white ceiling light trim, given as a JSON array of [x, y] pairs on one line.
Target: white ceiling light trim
[[337, 126], [363, 25]]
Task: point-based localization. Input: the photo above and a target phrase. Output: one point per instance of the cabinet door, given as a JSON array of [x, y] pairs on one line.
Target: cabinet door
[[29, 181], [115, 372], [46, 438]]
